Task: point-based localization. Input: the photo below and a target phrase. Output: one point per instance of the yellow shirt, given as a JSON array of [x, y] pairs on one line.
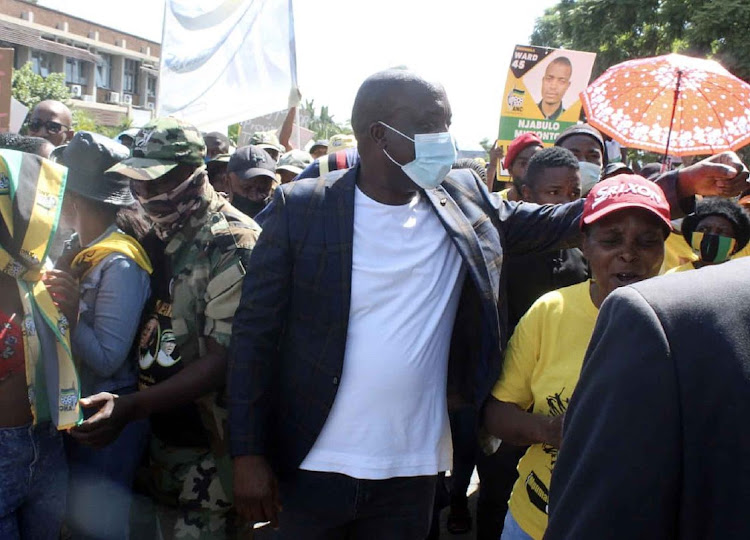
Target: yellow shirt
[[504, 193], [682, 268], [679, 257], [541, 369], [744, 252], [676, 253]]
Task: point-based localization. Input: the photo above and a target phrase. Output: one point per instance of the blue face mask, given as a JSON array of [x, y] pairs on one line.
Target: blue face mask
[[590, 175], [435, 154]]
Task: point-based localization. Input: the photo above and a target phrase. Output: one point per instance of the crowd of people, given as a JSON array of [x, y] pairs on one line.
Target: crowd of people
[[198, 339]]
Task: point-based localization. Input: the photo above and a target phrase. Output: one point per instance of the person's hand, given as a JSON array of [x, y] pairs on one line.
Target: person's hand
[[496, 153], [65, 293], [104, 426], [295, 97], [256, 490], [722, 175], [554, 431]]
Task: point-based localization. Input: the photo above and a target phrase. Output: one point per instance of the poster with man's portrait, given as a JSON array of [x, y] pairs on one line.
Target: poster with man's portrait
[[542, 92]]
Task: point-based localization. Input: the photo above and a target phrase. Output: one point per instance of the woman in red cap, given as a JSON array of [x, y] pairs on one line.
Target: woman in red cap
[[625, 222]]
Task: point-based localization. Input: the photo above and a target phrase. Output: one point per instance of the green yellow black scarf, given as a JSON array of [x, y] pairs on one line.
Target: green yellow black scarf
[[31, 193]]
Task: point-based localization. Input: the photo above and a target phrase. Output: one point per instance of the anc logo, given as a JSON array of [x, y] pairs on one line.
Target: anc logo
[[68, 399]]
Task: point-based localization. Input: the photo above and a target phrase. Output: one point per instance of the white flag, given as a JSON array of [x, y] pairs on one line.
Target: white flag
[[224, 61]]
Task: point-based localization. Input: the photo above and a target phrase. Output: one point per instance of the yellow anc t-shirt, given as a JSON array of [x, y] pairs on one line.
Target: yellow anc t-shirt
[[541, 369]]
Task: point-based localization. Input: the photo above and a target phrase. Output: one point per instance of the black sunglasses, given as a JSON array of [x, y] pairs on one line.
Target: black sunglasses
[[49, 125]]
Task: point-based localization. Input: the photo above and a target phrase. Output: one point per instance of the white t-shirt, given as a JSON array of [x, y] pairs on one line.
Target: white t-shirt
[[390, 416]]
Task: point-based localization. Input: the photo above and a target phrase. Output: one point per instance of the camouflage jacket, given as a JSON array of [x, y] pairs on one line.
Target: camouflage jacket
[[208, 258]]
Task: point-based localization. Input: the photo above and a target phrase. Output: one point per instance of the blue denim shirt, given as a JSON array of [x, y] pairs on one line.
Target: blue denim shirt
[[113, 294]]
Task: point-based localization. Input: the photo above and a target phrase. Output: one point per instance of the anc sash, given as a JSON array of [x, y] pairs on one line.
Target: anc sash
[[31, 194], [115, 242]]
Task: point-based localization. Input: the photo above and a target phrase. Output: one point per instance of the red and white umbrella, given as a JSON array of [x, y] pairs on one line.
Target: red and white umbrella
[[671, 104]]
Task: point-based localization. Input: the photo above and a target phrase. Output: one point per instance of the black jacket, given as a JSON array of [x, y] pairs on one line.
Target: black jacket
[[656, 441]]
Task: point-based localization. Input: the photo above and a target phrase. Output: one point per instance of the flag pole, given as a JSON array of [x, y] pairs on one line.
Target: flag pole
[[293, 67]]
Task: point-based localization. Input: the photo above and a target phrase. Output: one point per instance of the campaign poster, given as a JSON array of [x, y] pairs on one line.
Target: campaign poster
[[542, 93]]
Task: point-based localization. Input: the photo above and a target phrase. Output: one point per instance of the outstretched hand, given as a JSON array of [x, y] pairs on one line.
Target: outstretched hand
[[722, 175], [104, 426]]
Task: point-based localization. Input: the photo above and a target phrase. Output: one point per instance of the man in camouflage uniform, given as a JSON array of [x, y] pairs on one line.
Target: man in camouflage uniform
[[199, 248]]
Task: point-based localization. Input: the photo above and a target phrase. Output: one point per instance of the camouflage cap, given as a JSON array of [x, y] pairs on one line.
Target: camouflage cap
[[266, 139], [294, 161], [160, 146]]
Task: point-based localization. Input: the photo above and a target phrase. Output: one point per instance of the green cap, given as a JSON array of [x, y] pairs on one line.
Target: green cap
[[266, 139], [160, 146]]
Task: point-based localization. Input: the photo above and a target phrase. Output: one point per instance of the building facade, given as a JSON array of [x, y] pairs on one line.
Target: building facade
[[110, 74]]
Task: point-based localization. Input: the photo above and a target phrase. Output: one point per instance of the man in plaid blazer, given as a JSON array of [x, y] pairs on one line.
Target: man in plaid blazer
[[338, 313]]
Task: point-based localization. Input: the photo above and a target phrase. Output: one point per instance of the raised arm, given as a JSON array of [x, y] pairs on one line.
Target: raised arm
[[285, 134], [722, 175]]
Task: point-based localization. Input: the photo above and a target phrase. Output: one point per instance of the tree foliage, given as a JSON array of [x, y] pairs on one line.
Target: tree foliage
[[619, 30], [84, 121], [322, 123], [30, 88]]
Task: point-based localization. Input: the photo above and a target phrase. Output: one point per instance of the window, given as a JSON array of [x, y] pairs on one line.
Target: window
[[75, 71], [104, 71], [130, 77], [41, 63], [151, 90]]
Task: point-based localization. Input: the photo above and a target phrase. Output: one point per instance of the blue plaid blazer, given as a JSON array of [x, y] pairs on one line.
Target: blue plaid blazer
[[289, 331]]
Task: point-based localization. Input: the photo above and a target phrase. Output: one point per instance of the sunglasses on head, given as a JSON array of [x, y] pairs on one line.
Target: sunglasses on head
[[49, 125]]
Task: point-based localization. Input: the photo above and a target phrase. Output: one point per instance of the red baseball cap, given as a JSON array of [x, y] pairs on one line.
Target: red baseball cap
[[625, 191], [517, 146]]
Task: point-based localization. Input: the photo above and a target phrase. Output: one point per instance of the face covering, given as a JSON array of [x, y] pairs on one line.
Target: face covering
[[712, 248], [590, 174], [169, 211], [247, 206], [435, 154]]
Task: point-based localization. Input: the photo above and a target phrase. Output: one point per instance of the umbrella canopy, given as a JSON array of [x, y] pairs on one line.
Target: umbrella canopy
[[671, 104]]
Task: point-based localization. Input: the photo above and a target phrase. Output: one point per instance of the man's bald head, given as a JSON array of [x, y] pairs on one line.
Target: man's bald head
[[390, 109], [387, 95], [51, 120]]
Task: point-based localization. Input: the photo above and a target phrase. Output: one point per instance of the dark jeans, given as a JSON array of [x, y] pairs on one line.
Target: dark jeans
[[33, 482], [331, 506], [497, 474], [101, 481]]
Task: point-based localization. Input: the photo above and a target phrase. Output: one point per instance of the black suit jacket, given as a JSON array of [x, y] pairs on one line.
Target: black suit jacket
[[656, 442]]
